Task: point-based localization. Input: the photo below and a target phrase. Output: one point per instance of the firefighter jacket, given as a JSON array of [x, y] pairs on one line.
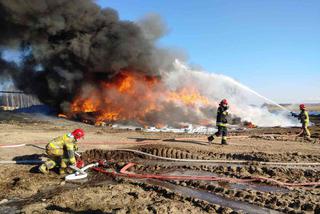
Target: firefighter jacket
[[304, 117], [64, 147], [222, 116]]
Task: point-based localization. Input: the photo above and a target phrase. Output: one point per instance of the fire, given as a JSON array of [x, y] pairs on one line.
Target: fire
[[189, 97], [109, 116], [127, 84], [250, 125], [135, 97], [62, 116]]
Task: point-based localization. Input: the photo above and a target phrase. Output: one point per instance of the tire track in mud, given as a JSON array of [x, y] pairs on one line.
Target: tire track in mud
[[291, 201], [163, 151], [215, 199], [271, 197]]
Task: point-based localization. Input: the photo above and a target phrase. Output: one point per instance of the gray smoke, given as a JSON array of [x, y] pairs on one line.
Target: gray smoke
[[70, 43], [6, 69]]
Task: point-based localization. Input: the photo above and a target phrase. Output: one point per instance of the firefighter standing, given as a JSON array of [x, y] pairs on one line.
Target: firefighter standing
[[222, 121], [304, 119], [61, 152]]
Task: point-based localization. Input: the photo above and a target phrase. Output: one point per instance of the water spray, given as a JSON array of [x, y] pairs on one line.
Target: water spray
[[257, 94]]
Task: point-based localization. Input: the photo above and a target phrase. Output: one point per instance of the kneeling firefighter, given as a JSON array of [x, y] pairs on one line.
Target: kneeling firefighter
[[61, 152], [222, 121], [304, 119]]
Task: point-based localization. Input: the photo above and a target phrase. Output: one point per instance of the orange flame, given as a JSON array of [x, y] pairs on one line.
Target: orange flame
[[62, 116], [133, 96], [188, 97]]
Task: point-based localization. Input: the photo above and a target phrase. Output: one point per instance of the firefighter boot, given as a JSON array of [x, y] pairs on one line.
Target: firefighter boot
[[210, 139], [308, 138], [224, 141], [43, 169], [49, 164], [62, 171]]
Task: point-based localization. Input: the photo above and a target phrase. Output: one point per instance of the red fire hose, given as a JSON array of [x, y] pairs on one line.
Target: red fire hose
[[125, 173]]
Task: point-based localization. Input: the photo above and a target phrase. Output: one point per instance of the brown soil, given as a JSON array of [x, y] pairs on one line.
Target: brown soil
[[22, 189]]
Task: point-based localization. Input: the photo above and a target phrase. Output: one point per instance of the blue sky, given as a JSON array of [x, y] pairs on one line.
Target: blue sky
[[272, 46]]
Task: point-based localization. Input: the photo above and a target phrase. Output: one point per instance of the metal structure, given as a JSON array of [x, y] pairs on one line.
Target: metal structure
[[11, 100]]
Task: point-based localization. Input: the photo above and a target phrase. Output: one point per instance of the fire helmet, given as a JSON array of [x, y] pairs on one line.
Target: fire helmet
[[78, 133], [224, 102], [302, 107]]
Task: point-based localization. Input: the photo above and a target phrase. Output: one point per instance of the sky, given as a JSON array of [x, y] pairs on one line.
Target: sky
[[271, 46]]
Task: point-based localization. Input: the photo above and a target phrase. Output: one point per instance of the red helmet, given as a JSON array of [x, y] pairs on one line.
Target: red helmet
[[302, 107], [78, 133], [224, 102]]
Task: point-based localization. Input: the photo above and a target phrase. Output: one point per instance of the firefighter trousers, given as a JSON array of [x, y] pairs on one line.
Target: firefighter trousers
[[55, 161], [305, 131]]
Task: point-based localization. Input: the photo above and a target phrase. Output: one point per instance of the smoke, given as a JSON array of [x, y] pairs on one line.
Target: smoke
[[217, 87], [153, 27], [69, 43], [6, 68]]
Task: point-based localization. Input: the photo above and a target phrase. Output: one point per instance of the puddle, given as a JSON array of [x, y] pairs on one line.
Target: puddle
[[258, 187], [213, 198]]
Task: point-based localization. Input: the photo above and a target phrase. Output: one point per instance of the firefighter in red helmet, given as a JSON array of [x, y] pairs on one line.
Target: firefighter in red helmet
[[61, 151], [222, 122], [304, 119]]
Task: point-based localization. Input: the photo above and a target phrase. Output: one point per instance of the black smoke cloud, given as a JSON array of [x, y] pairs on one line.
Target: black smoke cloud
[[70, 43]]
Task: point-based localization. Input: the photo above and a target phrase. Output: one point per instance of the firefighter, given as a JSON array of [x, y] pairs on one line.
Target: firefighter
[[304, 119], [61, 152], [222, 121]]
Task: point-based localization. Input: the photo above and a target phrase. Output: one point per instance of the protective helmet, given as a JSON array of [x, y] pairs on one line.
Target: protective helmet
[[302, 107], [78, 133], [224, 102]]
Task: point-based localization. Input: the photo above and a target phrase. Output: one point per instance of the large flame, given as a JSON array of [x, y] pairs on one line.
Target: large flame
[[188, 96], [130, 96]]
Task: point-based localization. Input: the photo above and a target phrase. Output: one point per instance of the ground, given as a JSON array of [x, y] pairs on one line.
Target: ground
[[24, 190]]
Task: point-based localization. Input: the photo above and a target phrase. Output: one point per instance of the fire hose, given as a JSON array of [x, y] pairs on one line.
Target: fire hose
[[21, 161], [125, 173], [182, 160], [80, 173]]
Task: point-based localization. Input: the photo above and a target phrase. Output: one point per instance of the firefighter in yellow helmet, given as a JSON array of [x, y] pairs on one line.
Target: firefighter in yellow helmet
[[61, 152], [304, 119]]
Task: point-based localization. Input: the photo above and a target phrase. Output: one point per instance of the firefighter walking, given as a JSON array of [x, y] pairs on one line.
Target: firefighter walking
[[61, 152], [222, 122], [304, 119]]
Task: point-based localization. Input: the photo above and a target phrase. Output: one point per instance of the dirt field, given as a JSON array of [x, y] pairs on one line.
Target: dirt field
[[23, 190]]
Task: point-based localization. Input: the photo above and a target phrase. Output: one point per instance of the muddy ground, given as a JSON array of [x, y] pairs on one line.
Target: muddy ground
[[23, 190]]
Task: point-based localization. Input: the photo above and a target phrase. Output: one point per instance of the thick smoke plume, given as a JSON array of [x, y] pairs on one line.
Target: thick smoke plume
[[69, 43]]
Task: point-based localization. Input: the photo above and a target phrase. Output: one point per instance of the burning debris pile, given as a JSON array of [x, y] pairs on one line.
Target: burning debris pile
[[130, 96]]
